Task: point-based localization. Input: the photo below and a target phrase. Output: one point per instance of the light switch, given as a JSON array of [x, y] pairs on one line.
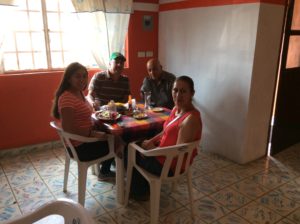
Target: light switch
[[149, 54], [141, 54]]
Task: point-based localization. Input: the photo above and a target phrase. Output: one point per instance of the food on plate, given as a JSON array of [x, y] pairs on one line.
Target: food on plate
[[157, 109], [107, 115], [139, 115]]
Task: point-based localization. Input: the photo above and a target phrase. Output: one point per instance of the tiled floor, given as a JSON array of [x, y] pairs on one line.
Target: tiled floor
[[264, 191]]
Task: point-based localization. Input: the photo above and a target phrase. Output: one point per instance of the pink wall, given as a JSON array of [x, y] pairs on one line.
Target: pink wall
[[26, 99]]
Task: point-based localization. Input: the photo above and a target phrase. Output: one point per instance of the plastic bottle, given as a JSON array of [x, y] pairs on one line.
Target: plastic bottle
[[129, 103]]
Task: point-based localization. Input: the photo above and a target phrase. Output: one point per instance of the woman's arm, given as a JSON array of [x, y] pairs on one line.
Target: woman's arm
[[153, 142], [67, 121], [188, 128], [156, 138]]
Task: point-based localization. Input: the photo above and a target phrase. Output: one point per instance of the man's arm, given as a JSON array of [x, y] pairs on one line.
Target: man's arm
[[91, 93], [128, 91], [169, 87], [145, 87], [90, 98], [171, 79]]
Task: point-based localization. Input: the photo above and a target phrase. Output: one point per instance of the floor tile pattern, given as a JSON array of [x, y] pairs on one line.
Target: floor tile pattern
[[263, 191]]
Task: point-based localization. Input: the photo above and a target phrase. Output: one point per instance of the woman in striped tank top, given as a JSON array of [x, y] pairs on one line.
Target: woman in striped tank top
[[74, 112]]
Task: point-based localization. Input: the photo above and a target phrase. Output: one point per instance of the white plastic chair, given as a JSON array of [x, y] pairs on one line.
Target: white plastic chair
[[178, 151], [71, 211], [82, 166]]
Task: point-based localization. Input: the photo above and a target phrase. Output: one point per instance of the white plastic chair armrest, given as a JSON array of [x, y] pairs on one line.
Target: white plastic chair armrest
[[138, 148], [70, 210], [160, 151], [81, 138]]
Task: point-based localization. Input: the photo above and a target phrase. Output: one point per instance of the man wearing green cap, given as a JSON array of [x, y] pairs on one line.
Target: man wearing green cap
[[109, 85]]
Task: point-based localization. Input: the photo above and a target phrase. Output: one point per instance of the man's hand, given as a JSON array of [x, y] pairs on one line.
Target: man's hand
[[96, 104]]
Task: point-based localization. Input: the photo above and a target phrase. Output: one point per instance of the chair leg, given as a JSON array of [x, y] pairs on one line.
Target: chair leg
[[66, 175], [154, 201], [190, 188], [82, 175], [96, 169], [128, 182]]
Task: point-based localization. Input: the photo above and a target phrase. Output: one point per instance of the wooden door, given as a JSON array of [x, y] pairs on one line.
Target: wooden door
[[286, 129]]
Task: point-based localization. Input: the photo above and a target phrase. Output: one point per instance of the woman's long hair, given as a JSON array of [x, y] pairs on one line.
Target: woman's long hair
[[65, 85]]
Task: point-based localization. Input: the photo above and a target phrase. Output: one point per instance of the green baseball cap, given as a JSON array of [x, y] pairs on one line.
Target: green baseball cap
[[117, 55]]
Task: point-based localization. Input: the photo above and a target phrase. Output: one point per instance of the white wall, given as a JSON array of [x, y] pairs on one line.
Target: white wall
[[263, 81], [216, 46]]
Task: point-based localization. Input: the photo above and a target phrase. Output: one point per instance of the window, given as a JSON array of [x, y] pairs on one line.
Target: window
[[45, 34]]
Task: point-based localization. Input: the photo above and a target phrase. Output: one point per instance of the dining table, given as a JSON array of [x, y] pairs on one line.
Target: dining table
[[132, 129]]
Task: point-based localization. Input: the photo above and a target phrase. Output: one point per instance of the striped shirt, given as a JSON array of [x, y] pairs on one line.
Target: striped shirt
[[102, 86], [82, 110]]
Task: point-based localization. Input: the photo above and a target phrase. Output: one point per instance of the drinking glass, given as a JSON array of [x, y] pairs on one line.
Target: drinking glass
[[147, 98]]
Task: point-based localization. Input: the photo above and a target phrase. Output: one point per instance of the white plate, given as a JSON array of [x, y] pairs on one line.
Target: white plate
[[140, 116], [157, 109], [104, 116]]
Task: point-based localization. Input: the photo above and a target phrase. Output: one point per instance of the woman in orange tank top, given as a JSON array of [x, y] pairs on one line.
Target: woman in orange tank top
[[184, 125]]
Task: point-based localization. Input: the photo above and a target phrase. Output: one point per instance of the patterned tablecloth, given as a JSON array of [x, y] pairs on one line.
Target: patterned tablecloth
[[131, 129]]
